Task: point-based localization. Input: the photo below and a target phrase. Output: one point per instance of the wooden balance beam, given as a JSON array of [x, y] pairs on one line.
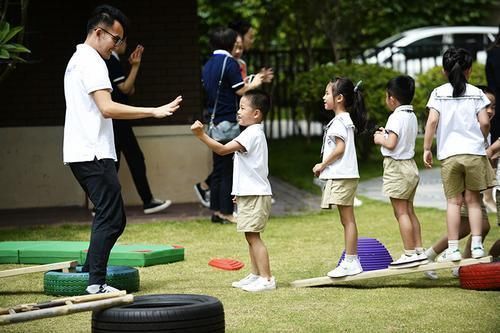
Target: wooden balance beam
[[65, 266], [63, 306], [325, 280]]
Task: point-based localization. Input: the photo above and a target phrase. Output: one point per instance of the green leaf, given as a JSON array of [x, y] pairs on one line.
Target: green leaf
[[4, 54], [17, 58], [14, 31], [4, 30], [18, 48]]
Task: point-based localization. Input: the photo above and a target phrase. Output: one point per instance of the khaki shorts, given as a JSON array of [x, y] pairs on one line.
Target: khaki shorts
[[339, 192], [466, 172], [253, 212], [400, 178]]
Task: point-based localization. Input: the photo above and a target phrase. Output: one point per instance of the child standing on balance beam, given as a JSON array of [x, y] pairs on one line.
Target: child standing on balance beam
[[339, 166], [397, 141]]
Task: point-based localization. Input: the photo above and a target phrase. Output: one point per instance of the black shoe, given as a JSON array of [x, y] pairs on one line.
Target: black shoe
[[203, 195], [216, 219], [156, 205]]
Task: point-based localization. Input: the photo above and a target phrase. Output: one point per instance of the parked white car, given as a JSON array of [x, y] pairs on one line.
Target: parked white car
[[417, 50]]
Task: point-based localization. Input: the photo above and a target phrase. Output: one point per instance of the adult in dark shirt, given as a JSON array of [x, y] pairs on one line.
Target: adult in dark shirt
[[125, 140], [493, 78]]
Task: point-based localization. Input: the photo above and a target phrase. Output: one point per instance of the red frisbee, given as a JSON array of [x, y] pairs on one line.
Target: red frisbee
[[227, 264]]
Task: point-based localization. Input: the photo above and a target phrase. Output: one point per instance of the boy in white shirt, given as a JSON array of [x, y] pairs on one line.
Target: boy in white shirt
[[401, 177], [251, 186]]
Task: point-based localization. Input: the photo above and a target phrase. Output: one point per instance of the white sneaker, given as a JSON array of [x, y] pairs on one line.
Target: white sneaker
[[245, 281], [100, 289], [407, 261], [357, 202], [422, 257], [477, 252], [455, 271], [448, 256], [261, 284], [156, 206], [431, 275], [346, 268]]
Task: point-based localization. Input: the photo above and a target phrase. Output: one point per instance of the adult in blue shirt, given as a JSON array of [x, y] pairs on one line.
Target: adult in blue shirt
[[227, 94]]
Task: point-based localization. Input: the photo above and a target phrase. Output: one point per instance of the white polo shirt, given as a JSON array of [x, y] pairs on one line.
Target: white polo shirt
[[87, 134], [250, 167], [347, 165], [458, 130], [403, 123]]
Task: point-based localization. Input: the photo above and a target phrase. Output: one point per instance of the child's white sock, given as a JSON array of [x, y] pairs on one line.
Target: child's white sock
[[453, 245], [431, 254], [351, 257], [410, 253], [477, 241]]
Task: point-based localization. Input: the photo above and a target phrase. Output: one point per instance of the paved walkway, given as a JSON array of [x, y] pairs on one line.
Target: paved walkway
[[429, 191], [289, 200]]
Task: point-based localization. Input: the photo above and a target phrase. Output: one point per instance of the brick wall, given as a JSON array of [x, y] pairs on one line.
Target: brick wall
[[34, 96]]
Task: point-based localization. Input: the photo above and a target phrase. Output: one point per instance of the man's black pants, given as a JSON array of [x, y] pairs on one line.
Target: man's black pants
[[99, 180]]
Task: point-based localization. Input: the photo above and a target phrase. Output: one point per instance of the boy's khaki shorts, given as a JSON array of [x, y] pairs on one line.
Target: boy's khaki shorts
[[466, 172], [253, 212], [339, 192], [400, 178]]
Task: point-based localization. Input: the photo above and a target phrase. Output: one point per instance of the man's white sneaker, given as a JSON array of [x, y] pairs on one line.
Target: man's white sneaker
[[346, 268], [245, 281], [477, 252], [455, 271], [261, 284], [406, 261], [100, 289], [450, 256]]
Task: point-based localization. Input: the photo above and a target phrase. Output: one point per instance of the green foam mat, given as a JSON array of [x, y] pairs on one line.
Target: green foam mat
[[45, 252]]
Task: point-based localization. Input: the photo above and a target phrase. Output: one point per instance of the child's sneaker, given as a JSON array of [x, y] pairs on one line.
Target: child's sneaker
[[448, 256], [407, 261], [477, 252], [245, 281], [346, 268], [261, 284], [455, 271], [431, 275]]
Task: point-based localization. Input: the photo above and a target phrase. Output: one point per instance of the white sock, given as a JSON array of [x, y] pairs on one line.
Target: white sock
[[431, 254], [93, 288], [410, 253], [477, 241], [419, 250], [453, 245], [351, 257]]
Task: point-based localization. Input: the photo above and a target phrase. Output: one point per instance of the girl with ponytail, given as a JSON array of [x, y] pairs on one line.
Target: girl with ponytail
[[339, 166], [458, 117]]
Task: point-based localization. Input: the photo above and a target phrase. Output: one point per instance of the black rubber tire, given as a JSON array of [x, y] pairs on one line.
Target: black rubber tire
[[162, 313], [480, 276], [71, 284]]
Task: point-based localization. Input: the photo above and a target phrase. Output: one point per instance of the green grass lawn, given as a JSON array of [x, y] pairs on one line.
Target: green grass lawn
[[300, 247]]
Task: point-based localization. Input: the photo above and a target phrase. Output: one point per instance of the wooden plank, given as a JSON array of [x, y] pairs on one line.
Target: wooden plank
[[65, 265], [65, 309], [61, 301], [325, 280]]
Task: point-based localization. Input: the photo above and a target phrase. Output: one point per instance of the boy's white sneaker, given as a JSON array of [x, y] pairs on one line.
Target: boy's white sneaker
[[455, 271], [408, 261], [477, 252], [449, 255], [245, 281], [346, 268], [261, 284]]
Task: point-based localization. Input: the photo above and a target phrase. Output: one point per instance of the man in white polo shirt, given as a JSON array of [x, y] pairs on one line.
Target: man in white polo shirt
[[88, 135]]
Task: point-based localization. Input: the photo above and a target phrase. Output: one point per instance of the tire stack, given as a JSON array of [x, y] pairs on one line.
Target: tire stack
[[162, 313]]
